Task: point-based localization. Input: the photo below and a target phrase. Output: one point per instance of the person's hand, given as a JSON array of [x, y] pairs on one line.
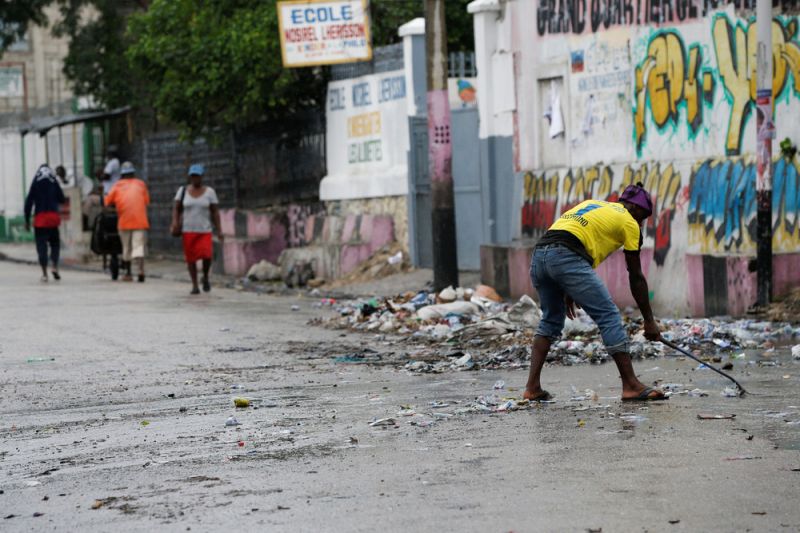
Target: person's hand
[[571, 306], [27, 227], [651, 331], [220, 236]]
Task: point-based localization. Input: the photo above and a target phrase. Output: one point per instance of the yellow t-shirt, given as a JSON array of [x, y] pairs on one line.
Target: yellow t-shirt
[[602, 227]]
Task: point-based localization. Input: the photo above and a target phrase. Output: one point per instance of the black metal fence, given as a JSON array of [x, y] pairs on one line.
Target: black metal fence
[[264, 166]]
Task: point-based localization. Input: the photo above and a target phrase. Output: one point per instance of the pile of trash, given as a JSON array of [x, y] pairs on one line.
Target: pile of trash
[[472, 329]]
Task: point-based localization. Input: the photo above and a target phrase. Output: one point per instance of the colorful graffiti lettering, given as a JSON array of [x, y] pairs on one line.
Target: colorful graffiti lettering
[[735, 46], [577, 16], [664, 186], [668, 77], [592, 182], [671, 76], [296, 217], [539, 203], [542, 193], [722, 206]]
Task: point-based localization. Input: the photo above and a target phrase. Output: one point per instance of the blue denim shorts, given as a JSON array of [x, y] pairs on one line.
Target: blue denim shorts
[[555, 271]]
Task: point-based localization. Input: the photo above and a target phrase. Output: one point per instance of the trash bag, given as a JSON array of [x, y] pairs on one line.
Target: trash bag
[[105, 235]]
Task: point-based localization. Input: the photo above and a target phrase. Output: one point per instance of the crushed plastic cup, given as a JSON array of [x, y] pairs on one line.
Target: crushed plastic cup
[[499, 384], [231, 421], [33, 360], [730, 392]]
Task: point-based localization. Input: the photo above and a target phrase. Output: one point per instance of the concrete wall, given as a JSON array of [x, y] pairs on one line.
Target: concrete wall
[[669, 103], [48, 91]]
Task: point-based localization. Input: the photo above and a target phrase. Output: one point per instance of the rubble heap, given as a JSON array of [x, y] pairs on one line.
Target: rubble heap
[[464, 329]]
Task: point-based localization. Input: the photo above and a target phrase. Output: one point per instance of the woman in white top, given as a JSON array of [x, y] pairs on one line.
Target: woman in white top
[[194, 216]]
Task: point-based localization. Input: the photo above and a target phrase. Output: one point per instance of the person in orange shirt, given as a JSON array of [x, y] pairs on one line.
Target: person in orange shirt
[[129, 195]]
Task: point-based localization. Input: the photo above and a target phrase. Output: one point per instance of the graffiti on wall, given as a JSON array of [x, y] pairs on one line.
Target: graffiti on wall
[[735, 46], [672, 76], [669, 77], [722, 205], [579, 16], [541, 203], [664, 185]]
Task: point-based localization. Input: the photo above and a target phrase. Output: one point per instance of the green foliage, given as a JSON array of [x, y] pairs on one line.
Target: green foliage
[[217, 64], [203, 65], [388, 15], [95, 62], [788, 149], [16, 16]]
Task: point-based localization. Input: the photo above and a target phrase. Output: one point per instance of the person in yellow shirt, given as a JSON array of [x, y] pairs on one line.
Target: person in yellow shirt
[[562, 271]]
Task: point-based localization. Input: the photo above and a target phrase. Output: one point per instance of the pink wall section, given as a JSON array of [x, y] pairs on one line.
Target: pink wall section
[[614, 271], [694, 265], [741, 285]]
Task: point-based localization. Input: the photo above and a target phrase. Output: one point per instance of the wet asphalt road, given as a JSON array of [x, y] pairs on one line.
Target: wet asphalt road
[[119, 424]]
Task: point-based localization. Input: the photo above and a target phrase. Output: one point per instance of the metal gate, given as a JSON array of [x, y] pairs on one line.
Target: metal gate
[[470, 222]]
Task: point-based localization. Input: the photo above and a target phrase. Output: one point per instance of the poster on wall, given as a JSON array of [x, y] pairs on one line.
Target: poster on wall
[[11, 83], [324, 32]]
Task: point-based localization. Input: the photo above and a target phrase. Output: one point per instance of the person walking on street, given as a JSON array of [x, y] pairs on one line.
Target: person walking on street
[[131, 199], [45, 195], [112, 171], [194, 216], [562, 270]]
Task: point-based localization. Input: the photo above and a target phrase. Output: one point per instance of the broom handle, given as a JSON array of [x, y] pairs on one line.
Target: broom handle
[[687, 354]]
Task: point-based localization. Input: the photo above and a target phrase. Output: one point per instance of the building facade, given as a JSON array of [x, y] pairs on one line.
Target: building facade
[[608, 93]]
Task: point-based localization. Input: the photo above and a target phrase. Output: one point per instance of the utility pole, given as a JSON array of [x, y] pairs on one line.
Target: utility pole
[[765, 132], [440, 149]]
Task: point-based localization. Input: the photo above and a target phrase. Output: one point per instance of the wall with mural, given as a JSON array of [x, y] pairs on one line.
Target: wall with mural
[[663, 92]]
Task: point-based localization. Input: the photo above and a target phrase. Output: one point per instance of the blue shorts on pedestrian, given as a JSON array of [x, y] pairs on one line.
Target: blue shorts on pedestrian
[[555, 271]]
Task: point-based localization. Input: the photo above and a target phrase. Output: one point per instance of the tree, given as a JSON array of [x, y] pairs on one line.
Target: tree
[[95, 62], [217, 64], [16, 16], [203, 66], [388, 15]]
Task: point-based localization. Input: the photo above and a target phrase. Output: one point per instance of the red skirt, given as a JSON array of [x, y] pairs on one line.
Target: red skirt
[[197, 246]]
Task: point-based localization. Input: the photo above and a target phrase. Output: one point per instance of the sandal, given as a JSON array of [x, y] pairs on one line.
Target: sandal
[[543, 396], [644, 396]]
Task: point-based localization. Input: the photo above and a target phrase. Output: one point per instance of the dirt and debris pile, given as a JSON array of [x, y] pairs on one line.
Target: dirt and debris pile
[[389, 260], [464, 329], [787, 309]]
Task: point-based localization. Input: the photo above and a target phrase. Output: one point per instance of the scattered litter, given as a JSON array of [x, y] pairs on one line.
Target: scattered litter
[[40, 360], [499, 384], [796, 351], [731, 392], [241, 402], [499, 335], [145, 422], [224, 329], [264, 271], [383, 422], [395, 259], [703, 416], [295, 307], [231, 421], [634, 418]]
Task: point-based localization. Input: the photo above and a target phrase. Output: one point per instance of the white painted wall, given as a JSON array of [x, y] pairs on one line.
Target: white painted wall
[[12, 194]]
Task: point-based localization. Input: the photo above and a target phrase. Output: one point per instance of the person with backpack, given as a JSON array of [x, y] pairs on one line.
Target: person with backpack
[[194, 216], [45, 196]]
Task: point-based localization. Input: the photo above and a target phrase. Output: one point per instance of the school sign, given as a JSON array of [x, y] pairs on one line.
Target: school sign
[[324, 32]]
